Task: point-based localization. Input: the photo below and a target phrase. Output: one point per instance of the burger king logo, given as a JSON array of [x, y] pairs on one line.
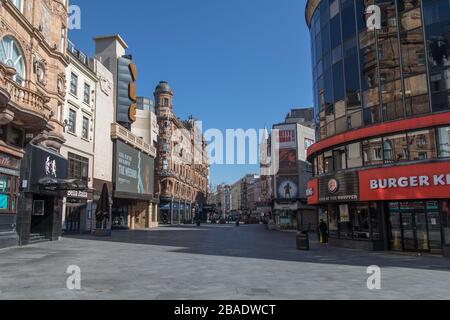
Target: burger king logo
[[333, 186]]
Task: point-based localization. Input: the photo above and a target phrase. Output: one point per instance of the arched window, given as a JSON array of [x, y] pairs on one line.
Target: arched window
[[12, 56]]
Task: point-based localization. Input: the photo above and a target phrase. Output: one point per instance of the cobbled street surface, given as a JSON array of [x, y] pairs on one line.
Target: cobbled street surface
[[213, 262]]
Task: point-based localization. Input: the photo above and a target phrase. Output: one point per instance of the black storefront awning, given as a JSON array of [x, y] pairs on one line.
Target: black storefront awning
[[53, 184]]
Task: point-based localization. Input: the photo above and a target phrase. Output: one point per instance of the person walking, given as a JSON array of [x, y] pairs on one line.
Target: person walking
[[323, 229]]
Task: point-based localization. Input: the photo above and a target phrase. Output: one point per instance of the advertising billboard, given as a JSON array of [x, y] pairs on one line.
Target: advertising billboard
[[134, 170], [287, 188], [286, 136], [288, 161]]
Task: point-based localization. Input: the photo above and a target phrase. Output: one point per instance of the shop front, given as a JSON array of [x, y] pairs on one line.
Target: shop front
[[402, 208], [134, 205], [79, 216], [9, 191], [176, 212], [43, 186]]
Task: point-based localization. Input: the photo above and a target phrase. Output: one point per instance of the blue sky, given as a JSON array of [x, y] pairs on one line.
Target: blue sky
[[232, 63]]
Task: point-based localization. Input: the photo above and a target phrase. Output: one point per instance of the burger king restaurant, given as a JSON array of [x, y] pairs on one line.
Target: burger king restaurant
[[402, 208]]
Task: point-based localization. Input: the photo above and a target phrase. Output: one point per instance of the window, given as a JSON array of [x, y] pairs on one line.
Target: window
[[85, 133], [348, 20], [320, 167], [437, 17], [338, 81], [446, 220], [335, 28], [413, 52], [16, 137], [360, 217], [354, 159], [395, 148], [72, 121], [328, 162], [78, 167], [422, 145], [62, 45], [334, 8], [166, 102], [373, 152], [87, 94], [18, 4], [444, 142], [74, 84], [12, 56], [340, 160], [8, 193], [392, 101], [165, 165]]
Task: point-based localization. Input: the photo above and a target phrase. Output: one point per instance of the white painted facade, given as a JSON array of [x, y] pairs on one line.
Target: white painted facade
[[104, 117], [78, 117]]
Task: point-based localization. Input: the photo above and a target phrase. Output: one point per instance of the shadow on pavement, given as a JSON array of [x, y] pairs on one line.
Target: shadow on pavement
[[255, 241]]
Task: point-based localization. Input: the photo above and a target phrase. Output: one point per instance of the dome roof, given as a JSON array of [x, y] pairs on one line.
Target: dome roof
[[163, 87]]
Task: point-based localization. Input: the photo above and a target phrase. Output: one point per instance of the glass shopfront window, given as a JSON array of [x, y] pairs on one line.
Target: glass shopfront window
[[444, 142], [395, 148], [446, 220], [345, 223], [340, 161], [354, 221], [361, 221], [373, 152], [8, 193], [354, 158], [416, 226], [329, 162], [333, 219], [422, 145]]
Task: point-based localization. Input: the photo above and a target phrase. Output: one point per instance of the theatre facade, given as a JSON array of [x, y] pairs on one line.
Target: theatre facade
[[382, 101]]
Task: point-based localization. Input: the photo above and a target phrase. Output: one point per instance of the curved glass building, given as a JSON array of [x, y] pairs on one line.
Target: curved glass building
[[382, 113]]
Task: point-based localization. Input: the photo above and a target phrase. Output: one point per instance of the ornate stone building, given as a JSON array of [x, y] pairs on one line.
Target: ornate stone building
[[182, 167], [33, 36]]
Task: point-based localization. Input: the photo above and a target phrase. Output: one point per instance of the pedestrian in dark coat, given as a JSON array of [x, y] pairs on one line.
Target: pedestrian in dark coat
[[323, 229]]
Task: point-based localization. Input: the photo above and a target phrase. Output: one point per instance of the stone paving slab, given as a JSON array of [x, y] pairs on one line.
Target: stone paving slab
[[213, 262]]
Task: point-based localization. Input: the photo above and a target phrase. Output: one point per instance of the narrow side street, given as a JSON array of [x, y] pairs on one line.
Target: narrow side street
[[212, 262]]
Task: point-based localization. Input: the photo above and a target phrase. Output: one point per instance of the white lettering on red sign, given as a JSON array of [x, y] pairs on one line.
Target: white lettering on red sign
[[410, 182]]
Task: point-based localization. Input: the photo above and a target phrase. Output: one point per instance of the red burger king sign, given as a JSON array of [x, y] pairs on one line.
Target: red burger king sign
[[427, 181]]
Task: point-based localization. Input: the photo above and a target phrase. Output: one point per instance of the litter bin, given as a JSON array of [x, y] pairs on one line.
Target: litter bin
[[303, 241], [199, 223]]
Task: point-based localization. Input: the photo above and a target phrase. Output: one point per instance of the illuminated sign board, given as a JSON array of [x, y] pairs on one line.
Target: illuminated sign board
[[126, 92]]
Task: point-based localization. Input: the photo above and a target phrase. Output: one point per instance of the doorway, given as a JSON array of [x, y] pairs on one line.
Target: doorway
[[415, 226], [42, 216]]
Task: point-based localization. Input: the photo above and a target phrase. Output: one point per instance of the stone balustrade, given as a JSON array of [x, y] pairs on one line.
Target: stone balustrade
[[24, 98]]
